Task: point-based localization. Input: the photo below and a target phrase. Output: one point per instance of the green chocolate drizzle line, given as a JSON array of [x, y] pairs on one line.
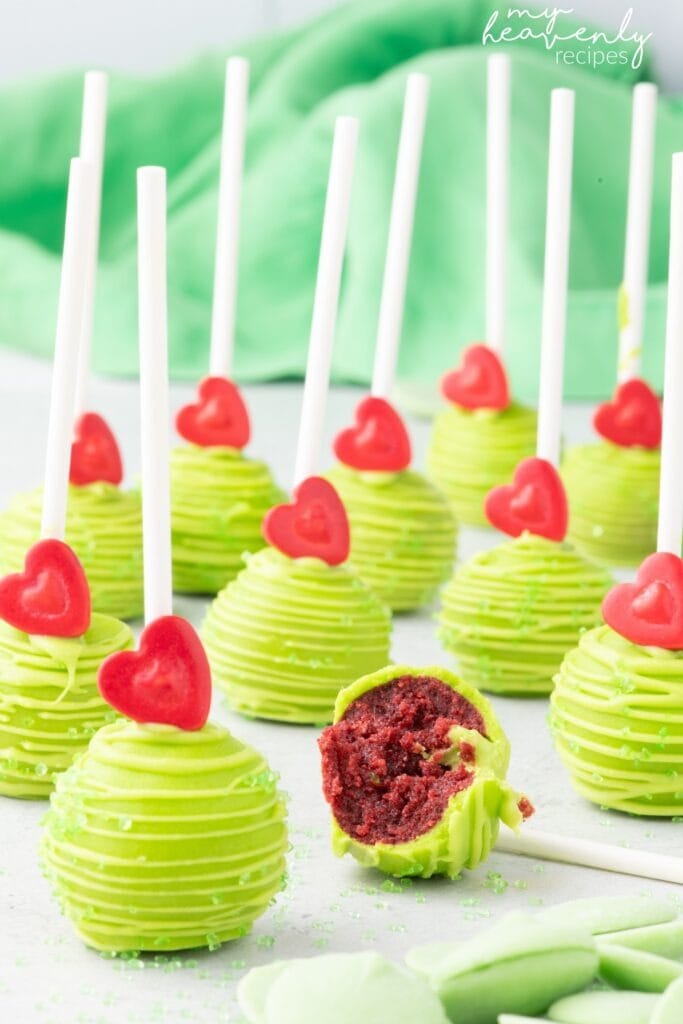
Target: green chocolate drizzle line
[[471, 452], [510, 615], [159, 839], [617, 720], [287, 634], [104, 527], [50, 705], [218, 501], [402, 534], [613, 500]]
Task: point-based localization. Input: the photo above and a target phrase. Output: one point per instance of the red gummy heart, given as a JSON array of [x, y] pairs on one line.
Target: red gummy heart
[[95, 455], [535, 501], [219, 418], [378, 440], [480, 382], [649, 612], [51, 596], [315, 525], [166, 681], [633, 417]]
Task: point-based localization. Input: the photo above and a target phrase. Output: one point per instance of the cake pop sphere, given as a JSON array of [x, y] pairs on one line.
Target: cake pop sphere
[[414, 772]]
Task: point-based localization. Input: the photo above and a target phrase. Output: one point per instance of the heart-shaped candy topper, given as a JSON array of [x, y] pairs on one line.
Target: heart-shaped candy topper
[[480, 382], [51, 596], [633, 417], [315, 525], [535, 501], [378, 441], [649, 612], [166, 681], [218, 418], [95, 454]]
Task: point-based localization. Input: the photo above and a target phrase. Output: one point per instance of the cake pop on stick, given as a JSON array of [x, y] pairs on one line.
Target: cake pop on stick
[[51, 645], [616, 712], [616, 523], [509, 615], [297, 625], [219, 496], [104, 522], [482, 434], [402, 529], [195, 849]]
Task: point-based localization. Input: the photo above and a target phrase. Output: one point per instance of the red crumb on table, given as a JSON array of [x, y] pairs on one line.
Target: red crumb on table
[[381, 767], [526, 808]]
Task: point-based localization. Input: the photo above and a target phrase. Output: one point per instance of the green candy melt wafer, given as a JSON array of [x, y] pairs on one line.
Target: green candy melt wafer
[[663, 939], [610, 913], [669, 1009], [626, 968], [604, 1008]]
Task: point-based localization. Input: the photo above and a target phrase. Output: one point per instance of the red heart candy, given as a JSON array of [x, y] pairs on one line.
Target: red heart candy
[[649, 612], [535, 501], [95, 455], [51, 596], [633, 417], [378, 441], [480, 382], [218, 418], [315, 525], [166, 681]]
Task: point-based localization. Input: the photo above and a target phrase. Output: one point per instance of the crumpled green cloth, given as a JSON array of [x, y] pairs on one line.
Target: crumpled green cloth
[[352, 60]]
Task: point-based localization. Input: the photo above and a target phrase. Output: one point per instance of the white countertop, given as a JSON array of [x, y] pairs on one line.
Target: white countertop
[[48, 977]]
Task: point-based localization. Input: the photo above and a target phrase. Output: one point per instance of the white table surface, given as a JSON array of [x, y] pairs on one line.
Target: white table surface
[[48, 977]]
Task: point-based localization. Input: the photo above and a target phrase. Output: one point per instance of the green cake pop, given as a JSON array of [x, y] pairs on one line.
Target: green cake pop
[[414, 771], [219, 496]]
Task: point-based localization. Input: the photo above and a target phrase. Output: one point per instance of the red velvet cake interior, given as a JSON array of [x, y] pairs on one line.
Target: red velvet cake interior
[[382, 774]]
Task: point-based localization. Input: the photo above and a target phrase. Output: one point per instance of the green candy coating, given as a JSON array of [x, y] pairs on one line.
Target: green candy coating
[[161, 839], [218, 501], [521, 965], [103, 526], [509, 615], [467, 832], [287, 634], [470, 452], [669, 1009], [613, 501], [664, 939], [604, 1008], [618, 915], [403, 534], [336, 989], [617, 723], [622, 967], [50, 705]]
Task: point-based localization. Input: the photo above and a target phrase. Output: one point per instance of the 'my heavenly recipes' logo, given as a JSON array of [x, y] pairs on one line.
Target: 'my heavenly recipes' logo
[[571, 44]]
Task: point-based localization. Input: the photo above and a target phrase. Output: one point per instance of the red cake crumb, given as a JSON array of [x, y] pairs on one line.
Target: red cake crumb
[[381, 767], [526, 808]]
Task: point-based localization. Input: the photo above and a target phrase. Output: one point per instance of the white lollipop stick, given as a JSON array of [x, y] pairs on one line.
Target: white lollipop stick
[[152, 314], [634, 287], [589, 854], [69, 321], [326, 300], [497, 178], [93, 127], [670, 533], [400, 235], [558, 218], [228, 227]]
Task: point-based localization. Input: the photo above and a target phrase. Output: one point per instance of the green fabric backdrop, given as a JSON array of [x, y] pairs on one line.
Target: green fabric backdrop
[[352, 60]]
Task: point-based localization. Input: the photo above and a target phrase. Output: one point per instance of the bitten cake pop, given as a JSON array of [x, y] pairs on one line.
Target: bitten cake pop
[[414, 772], [617, 706], [218, 496], [482, 434], [616, 522], [509, 615], [297, 625], [104, 522], [51, 645], [168, 832], [402, 528]]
